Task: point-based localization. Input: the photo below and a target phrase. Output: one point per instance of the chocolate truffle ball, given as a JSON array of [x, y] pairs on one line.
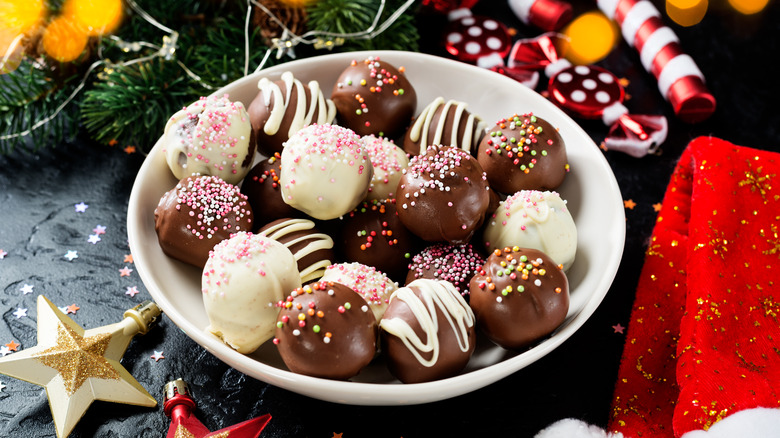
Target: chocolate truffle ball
[[442, 261], [313, 250], [244, 279], [388, 161], [519, 296], [283, 107], [262, 189], [523, 152], [534, 219], [374, 97], [374, 286], [197, 214], [327, 330], [427, 332], [443, 195], [447, 123], [211, 136], [373, 235], [325, 171]]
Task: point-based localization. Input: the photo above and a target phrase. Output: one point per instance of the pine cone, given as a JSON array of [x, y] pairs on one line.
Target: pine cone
[[293, 17]]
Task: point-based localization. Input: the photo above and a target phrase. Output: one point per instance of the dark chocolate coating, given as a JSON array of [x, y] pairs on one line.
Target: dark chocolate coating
[[262, 189], [315, 314], [186, 217], [531, 310], [451, 359], [373, 235], [523, 152], [441, 261], [443, 195], [367, 107], [311, 248], [465, 132]]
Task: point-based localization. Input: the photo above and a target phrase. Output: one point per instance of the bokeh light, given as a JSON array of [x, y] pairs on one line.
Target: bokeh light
[[748, 7], [591, 37], [20, 16], [98, 17], [686, 12], [63, 39]]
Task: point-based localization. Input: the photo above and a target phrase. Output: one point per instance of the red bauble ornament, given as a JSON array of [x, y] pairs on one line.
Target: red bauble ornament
[[179, 406], [447, 6], [477, 39]]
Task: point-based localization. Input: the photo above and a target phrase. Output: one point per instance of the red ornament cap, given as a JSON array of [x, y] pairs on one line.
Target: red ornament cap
[[477, 39], [547, 15], [446, 6]]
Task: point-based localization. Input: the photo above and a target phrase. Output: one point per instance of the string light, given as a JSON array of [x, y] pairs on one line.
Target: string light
[[591, 37], [749, 7], [686, 12]]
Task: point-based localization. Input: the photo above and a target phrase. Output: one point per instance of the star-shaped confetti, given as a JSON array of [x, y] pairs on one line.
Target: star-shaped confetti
[[618, 328], [128, 258], [129, 149], [2, 254], [72, 309], [125, 272], [629, 204], [71, 254], [657, 207], [13, 345], [4, 351], [81, 207], [27, 289], [336, 435], [157, 356], [93, 239], [132, 291], [99, 229], [20, 312]]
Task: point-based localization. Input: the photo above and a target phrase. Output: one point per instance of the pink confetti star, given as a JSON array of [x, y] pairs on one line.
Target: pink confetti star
[[2, 254], [13, 346], [157, 356], [125, 272], [99, 229], [93, 239], [132, 291], [72, 309], [81, 207], [618, 328]]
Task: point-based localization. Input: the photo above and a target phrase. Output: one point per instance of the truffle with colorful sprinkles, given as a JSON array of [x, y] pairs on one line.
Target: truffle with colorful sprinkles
[[211, 136], [443, 195], [519, 296], [445, 122], [389, 161], [453, 263], [283, 107], [262, 189], [523, 152], [427, 332], [534, 219], [197, 214], [372, 96], [326, 171], [373, 234], [374, 286], [327, 330], [242, 282]]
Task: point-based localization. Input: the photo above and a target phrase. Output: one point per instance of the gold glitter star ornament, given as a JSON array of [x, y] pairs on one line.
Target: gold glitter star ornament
[[78, 366]]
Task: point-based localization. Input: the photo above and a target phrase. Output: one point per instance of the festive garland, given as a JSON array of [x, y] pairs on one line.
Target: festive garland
[[124, 84]]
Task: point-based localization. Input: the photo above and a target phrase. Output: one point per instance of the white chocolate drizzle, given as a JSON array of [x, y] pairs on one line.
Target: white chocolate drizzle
[[316, 242], [436, 296], [303, 116], [421, 126]]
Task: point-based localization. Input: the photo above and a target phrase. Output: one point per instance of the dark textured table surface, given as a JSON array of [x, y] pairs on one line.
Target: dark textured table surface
[[40, 224]]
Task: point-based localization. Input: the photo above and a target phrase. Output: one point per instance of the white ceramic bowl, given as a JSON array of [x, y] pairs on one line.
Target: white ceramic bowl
[[590, 188]]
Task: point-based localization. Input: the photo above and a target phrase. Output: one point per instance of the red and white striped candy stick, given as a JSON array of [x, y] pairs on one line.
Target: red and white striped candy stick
[[679, 78]]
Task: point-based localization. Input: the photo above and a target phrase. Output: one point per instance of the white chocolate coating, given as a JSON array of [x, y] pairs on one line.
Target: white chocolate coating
[[304, 111], [243, 280], [211, 136], [388, 161], [534, 219], [326, 171], [374, 286], [313, 242], [437, 296]]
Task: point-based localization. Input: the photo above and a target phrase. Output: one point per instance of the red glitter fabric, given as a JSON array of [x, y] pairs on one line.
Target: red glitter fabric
[[704, 337]]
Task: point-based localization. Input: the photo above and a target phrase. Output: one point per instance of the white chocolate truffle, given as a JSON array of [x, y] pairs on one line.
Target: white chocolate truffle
[[388, 161], [211, 136], [326, 171], [374, 286], [534, 219], [243, 280]]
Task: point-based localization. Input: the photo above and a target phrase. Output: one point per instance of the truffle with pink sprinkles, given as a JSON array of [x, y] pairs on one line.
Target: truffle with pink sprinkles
[[325, 172]]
